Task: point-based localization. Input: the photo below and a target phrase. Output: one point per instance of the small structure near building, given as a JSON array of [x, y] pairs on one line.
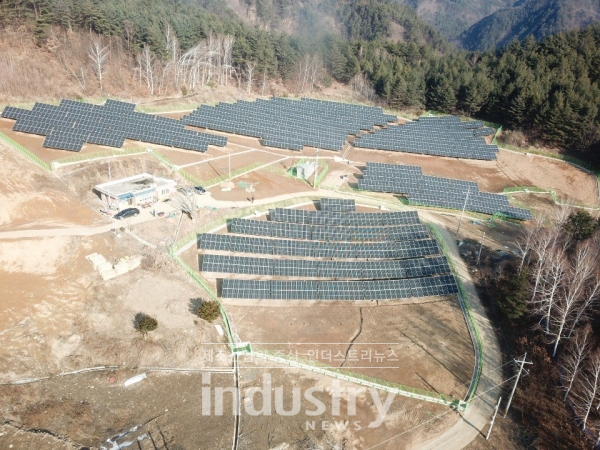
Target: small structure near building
[[304, 171], [136, 190]]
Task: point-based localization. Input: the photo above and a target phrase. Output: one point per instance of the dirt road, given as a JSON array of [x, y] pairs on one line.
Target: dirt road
[[479, 412]]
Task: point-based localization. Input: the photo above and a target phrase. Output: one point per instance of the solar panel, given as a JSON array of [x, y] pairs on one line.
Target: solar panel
[[337, 205], [436, 191], [438, 136], [66, 124], [338, 290], [290, 124], [315, 262]]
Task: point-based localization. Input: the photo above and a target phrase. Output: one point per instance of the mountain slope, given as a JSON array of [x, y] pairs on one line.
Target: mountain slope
[[452, 17], [538, 18]]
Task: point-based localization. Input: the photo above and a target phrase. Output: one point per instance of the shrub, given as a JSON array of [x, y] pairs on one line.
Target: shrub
[[144, 323], [209, 311], [580, 225]]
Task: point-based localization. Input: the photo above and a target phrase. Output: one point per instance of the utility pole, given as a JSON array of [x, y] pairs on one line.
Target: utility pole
[[480, 248], [522, 362], [493, 418], [463, 212]]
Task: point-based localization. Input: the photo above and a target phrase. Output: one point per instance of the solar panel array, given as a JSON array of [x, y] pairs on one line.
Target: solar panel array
[[291, 124], [438, 136], [330, 233], [71, 124], [354, 219], [339, 290], [337, 204], [349, 255], [319, 249], [435, 191], [310, 268]]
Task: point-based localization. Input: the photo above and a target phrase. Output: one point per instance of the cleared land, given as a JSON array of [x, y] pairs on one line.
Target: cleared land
[[32, 198], [510, 170], [58, 314]]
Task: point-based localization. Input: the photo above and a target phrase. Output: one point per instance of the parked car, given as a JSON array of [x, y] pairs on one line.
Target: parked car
[[185, 191], [199, 190], [129, 212]]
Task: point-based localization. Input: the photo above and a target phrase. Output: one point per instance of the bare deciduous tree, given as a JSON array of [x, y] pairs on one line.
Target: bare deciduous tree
[[361, 85], [526, 241], [146, 61], [567, 309], [587, 388], [541, 246], [249, 72], [99, 57], [576, 353], [551, 281], [210, 59]]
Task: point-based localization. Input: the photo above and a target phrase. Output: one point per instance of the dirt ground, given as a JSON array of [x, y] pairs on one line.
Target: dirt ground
[[404, 427], [163, 412], [32, 198], [218, 168], [59, 315], [425, 345], [511, 169], [91, 410]]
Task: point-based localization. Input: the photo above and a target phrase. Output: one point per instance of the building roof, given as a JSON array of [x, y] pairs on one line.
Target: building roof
[[135, 185]]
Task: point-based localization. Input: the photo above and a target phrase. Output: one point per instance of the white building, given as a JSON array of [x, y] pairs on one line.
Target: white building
[[305, 170], [136, 190]]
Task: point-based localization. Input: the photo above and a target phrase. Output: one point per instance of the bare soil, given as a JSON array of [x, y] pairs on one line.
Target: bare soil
[[423, 345], [510, 170], [86, 410], [31, 198], [404, 426], [59, 315]]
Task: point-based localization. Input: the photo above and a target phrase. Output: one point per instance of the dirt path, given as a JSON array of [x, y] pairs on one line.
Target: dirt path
[[204, 200], [479, 412]]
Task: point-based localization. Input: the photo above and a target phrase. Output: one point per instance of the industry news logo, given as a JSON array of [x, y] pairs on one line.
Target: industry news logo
[[268, 400]]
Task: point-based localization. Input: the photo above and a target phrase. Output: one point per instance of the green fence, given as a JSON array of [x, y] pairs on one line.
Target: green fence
[[496, 134], [334, 370], [322, 174], [234, 173], [534, 151], [193, 235], [26, 153], [98, 155], [204, 285], [468, 313]]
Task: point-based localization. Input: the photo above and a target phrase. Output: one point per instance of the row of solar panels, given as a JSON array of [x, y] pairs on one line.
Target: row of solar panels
[[307, 268], [290, 123], [351, 218], [318, 249], [337, 204], [332, 233], [339, 290], [71, 124], [435, 191], [329, 109], [438, 136]]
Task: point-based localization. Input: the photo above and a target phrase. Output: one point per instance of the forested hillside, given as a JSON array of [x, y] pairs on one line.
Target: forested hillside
[[453, 17], [538, 18], [548, 89]]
